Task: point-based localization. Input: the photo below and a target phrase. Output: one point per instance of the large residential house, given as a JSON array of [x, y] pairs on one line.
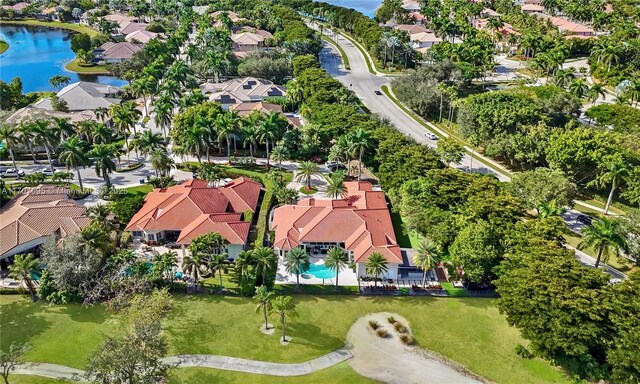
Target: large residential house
[[183, 212], [115, 52], [420, 37], [141, 36], [83, 96], [17, 8], [242, 90], [246, 42], [244, 109], [360, 223], [34, 216], [567, 27]]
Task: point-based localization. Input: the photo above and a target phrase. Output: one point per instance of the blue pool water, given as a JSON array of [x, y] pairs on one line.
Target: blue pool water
[[321, 271]]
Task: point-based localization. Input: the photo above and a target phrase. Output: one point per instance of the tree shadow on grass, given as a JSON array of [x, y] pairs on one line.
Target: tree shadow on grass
[[312, 336], [20, 321], [83, 313]]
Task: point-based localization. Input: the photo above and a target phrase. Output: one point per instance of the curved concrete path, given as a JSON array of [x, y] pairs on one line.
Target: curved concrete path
[[206, 361]]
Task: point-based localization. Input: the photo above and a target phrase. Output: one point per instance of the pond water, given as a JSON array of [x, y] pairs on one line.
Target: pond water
[[367, 7], [37, 53]]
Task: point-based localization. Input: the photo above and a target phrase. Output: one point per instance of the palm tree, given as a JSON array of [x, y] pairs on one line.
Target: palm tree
[[296, 261], [164, 264], [604, 236], [578, 87], [360, 140], [250, 130], [97, 237], [335, 185], [227, 125], [210, 172], [22, 269], [44, 135], [147, 142], [265, 260], [376, 265], [244, 261], [426, 256], [59, 80], [306, 171], [264, 297], [596, 91], [10, 135], [283, 307], [102, 154], [616, 170], [101, 134], [269, 129], [73, 155], [163, 115], [279, 154], [218, 263], [193, 139], [102, 113], [161, 161], [549, 209], [336, 260], [194, 264], [563, 77]]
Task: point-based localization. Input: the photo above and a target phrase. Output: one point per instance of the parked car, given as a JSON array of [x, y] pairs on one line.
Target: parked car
[[12, 172], [336, 167], [377, 92], [172, 245], [584, 219], [431, 136], [48, 171]]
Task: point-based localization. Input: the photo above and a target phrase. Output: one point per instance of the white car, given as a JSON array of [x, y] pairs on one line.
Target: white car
[[12, 172], [48, 171], [431, 136]]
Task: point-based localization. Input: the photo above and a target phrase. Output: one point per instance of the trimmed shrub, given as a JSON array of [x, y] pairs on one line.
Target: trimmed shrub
[[407, 339], [382, 333], [374, 324], [400, 328], [391, 320]]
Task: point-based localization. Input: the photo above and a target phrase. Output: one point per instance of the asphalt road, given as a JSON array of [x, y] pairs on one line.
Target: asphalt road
[[364, 84]]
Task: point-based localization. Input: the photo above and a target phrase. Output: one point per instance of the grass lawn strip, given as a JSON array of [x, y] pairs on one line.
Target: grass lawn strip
[[3, 46], [462, 329], [345, 58], [54, 24]]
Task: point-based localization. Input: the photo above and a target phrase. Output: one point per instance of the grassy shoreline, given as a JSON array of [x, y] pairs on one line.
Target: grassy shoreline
[[53, 24], [3, 46], [74, 66]]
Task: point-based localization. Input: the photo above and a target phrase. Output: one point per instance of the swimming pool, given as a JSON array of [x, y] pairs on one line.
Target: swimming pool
[[321, 271]]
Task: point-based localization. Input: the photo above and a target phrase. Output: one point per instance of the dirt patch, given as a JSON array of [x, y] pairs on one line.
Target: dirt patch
[[391, 361], [268, 331]]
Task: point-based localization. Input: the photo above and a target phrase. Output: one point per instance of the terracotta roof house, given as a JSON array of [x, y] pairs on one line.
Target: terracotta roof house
[[84, 96], [141, 36], [36, 214], [243, 109], [131, 26], [245, 42], [532, 8], [17, 7], [359, 223], [411, 28], [115, 52], [119, 18], [242, 90], [488, 12], [234, 17], [193, 208], [417, 17], [567, 27]]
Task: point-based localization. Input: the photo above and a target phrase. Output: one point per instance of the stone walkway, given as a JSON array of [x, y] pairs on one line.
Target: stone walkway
[[207, 361]]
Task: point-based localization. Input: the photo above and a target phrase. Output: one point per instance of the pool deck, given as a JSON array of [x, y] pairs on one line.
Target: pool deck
[[346, 278]]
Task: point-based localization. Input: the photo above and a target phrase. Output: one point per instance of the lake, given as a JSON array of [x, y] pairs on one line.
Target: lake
[[37, 53], [367, 7]]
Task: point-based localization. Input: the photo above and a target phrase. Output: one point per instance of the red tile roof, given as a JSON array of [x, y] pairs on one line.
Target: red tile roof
[[38, 213], [361, 221], [194, 208]]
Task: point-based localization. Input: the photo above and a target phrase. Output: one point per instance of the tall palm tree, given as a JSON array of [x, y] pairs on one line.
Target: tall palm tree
[[269, 129], [164, 264], [605, 237], [46, 136], [73, 155], [360, 141], [194, 139], [102, 114], [101, 134], [227, 125], [22, 269], [344, 143], [279, 154], [194, 264], [336, 260], [579, 87], [306, 171], [615, 170], [97, 237], [10, 135], [596, 91], [264, 297], [376, 265], [163, 115], [210, 172], [563, 77], [250, 131], [243, 261], [296, 261], [283, 307], [147, 142], [218, 263], [335, 185], [104, 165], [295, 93], [161, 161], [265, 260], [427, 257]]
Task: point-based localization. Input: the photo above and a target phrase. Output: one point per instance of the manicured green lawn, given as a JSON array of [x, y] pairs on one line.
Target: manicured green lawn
[[3, 46], [142, 189], [405, 240], [54, 24], [469, 331], [24, 379], [340, 373], [306, 191], [75, 66]]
